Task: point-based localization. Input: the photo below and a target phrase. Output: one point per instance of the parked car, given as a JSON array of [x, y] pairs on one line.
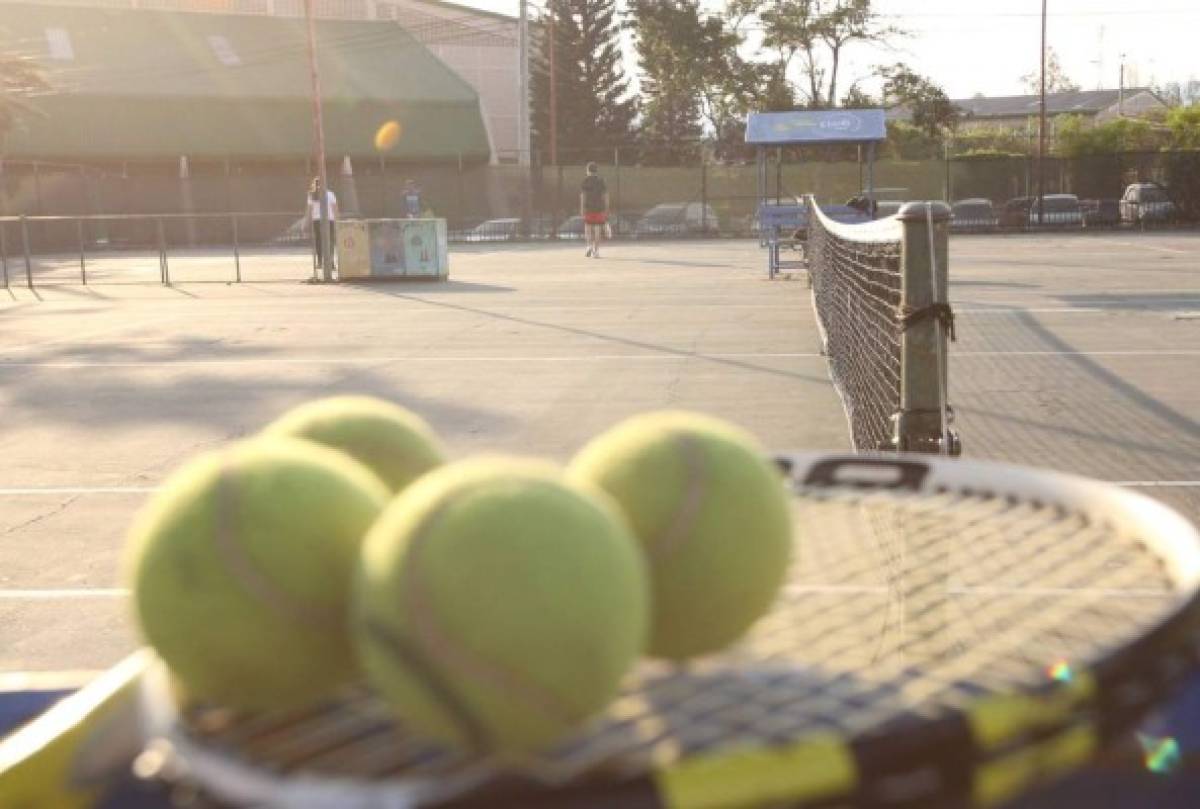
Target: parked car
[[1060, 210], [495, 230], [1146, 202], [572, 226], [678, 219], [1100, 212], [975, 214], [1015, 213]]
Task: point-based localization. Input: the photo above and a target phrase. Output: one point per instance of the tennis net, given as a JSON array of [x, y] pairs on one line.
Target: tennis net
[[879, 291]]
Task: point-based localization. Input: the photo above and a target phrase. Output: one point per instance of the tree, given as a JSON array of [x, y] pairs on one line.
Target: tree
[[693, 78], [674, 53], [820, 32], [932, 111], [1057, 80], [857, 98], [594, 108], [1184, 124], [1075, 137], [1183, 161], [20, 78]]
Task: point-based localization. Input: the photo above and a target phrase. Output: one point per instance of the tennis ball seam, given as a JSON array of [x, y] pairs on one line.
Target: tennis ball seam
[[244, 571], [687, 510], [438, 687], [447, 654]]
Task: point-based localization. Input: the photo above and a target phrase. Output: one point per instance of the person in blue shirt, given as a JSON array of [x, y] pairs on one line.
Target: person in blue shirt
[[412, 198]]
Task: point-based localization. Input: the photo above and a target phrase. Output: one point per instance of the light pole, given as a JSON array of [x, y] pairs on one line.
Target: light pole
[[319, 128], [553, 96], [1041, 184]]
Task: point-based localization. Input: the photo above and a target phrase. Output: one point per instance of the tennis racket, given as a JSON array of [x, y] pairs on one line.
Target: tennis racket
[[952, 634]]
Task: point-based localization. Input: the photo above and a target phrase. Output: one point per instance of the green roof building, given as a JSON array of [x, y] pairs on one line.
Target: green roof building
[[147, 85]]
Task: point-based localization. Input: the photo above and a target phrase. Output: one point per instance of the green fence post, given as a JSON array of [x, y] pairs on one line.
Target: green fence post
[[25, 245], [164, 267], [82, 257], [4, 253], [237, 257]]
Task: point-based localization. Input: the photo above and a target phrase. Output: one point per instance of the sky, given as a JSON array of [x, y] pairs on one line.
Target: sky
[[985, 46]]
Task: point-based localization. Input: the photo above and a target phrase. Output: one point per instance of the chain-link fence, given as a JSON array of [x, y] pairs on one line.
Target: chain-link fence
[[651, 195]]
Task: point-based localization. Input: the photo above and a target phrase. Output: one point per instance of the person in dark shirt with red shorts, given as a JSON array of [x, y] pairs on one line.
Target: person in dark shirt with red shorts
[[593, 207]]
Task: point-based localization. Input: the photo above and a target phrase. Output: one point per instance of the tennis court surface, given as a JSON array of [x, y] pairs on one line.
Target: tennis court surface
[[1075, 352]]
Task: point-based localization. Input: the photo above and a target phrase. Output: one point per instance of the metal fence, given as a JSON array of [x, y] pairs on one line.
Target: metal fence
[[156, 248], [229, 205]]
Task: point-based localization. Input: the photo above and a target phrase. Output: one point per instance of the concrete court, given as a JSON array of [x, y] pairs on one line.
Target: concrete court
[[1078, 352], [104, 390]]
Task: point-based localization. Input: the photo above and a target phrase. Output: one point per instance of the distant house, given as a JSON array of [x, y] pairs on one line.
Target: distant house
[[1019, 113]]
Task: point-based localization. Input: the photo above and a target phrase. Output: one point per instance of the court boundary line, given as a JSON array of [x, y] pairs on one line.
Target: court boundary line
[[55, 491], [559, 358], [60, 593]]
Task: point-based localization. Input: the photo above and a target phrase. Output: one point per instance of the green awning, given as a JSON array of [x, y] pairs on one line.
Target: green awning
[[134, 84]]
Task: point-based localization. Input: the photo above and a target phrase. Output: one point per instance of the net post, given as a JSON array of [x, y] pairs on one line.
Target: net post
[[921, 424]]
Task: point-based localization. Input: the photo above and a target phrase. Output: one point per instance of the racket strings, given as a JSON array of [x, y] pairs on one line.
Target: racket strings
[[897, 606]]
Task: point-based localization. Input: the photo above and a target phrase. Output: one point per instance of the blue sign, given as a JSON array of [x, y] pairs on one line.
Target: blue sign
[[815, 126]]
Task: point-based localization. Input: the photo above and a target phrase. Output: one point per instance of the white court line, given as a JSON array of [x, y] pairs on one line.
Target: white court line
[[1032, 591], [1159, 248], [47, 595], [1019, 310], [57, 490], [53, 491], [1113, 353], [647, 357]]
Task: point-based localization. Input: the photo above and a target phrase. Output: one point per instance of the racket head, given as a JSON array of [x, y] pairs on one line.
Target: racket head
[[951, 633]]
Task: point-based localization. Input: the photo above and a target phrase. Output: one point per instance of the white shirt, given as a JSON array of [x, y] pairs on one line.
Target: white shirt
[[314, 207]]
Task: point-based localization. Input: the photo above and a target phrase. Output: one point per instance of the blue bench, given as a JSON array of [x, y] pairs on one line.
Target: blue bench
[[778, 225]]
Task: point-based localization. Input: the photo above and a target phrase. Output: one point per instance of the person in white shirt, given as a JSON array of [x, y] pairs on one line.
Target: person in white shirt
[[314, 218]]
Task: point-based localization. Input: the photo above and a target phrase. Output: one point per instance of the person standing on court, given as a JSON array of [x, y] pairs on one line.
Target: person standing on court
[[412, 198], [593, 208], [314, 219]]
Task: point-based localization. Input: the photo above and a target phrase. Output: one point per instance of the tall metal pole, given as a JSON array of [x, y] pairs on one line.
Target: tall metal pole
[[523, 85], [319, 128], [553, 97], [524, 155], [1041, 185]]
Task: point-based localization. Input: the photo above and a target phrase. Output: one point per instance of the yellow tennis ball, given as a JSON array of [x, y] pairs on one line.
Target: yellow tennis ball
[[241, 567], [711, 514], [394, 443], [497, 606], [387, 136]]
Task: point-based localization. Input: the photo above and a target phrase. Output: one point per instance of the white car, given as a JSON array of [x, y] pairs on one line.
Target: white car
[[1146, 202], [495, 230], [678, 219]]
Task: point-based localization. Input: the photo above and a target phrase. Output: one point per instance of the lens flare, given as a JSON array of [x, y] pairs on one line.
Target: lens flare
[[1160, 754], [1060, 672]]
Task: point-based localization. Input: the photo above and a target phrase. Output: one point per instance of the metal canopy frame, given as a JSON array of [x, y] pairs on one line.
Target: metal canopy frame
[[768, 130], [774, 130]]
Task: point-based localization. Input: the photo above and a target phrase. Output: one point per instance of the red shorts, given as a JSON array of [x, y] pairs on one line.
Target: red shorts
[[598, 218]]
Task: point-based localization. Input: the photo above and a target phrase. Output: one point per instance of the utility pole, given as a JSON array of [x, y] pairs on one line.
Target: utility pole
[[1041, 185], [553, 96], [1121, 92], [523, 85], [326, 261], [524, 154]]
